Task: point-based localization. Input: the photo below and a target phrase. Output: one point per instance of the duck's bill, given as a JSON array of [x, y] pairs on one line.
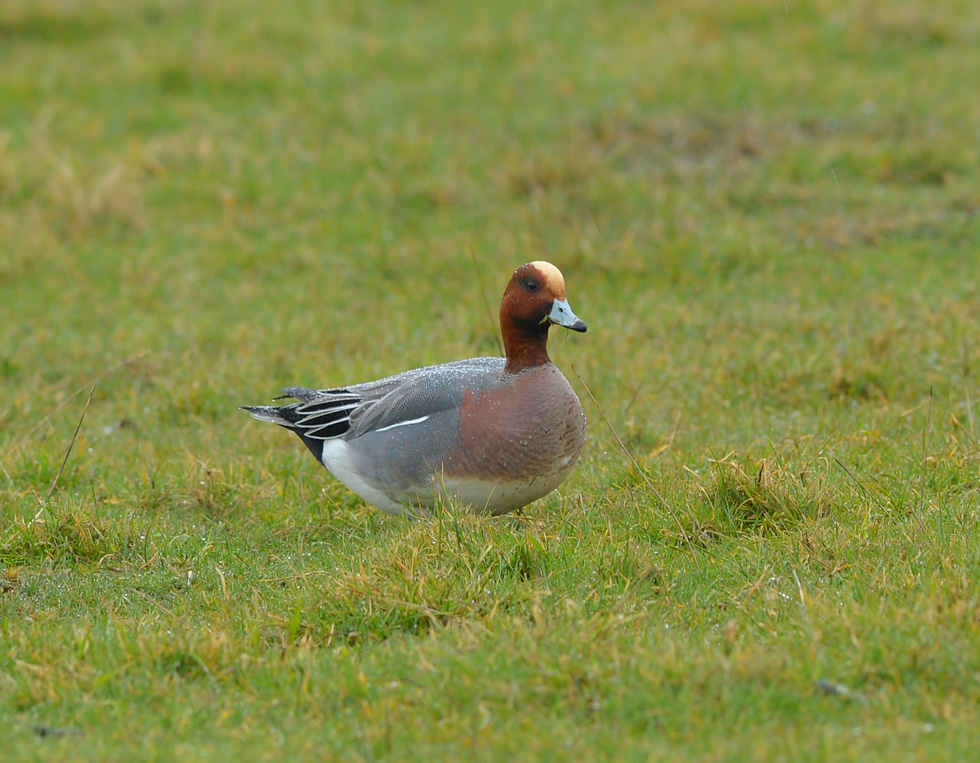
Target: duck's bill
[[561, 315]]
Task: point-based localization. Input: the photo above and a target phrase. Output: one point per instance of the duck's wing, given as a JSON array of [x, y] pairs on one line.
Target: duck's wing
[[323, 414], [420, 393]]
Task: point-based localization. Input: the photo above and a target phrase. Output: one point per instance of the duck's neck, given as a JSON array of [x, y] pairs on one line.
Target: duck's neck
[[526, 347]]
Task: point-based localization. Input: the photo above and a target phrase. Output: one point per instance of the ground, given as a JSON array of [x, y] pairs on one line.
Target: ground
[[767, 213]]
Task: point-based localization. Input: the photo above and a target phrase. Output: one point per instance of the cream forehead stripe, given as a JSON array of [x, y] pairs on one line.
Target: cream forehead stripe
[[551, 275]]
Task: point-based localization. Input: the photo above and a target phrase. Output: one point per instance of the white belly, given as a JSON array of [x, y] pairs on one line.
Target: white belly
[[481, 497]]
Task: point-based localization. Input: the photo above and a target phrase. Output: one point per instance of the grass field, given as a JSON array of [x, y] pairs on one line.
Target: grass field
[[767, 212]]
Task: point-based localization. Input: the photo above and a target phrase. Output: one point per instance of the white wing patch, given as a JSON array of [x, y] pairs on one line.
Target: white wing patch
[[402, 424]]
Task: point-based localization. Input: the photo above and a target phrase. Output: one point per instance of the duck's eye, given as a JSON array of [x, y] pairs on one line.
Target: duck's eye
[[531, 285]]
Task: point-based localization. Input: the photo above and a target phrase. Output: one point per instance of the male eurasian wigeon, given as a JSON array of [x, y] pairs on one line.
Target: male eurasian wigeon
[[493, 434]]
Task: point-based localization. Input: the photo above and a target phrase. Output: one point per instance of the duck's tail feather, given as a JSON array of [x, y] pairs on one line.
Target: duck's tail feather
[[320, 415], [285, 416], [274, 414]]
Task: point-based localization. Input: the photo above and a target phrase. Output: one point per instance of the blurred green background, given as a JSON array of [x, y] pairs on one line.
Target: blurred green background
[[767, 214]]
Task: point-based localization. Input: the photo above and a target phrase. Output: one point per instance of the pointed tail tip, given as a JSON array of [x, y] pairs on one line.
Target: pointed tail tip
[[263, 413]]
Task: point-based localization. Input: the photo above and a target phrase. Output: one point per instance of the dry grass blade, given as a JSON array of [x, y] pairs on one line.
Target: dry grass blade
[[64, 461], [27, 435], [486, 301], [649, 483]]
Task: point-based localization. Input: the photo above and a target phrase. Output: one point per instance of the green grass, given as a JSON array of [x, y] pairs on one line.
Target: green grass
[[766, 212]]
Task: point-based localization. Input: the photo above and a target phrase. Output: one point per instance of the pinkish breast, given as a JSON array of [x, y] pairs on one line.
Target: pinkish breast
[[529, 427]]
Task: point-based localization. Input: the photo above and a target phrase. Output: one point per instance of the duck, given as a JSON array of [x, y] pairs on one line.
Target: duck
[[489, 434]]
